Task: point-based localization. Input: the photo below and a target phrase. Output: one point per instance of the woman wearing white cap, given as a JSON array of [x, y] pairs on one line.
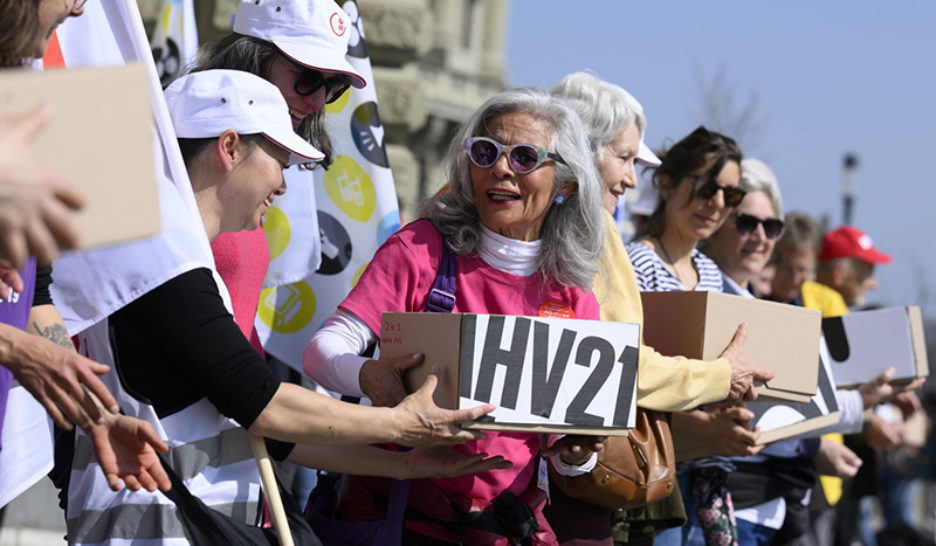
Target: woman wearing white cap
[[183, 362], [300, 47]]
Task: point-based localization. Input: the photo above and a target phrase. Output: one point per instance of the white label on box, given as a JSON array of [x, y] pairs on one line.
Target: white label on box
[[864, 344], [775, 415], [550, 372]]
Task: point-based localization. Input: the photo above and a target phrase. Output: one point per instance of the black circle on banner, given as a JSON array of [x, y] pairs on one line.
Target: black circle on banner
[[356, 46], [336, 245], [168, 61], [368, 134]]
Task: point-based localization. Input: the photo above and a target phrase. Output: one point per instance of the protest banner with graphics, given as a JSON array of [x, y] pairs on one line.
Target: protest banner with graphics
[[325, 230]]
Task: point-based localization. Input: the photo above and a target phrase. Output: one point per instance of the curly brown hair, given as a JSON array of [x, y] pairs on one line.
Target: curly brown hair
[[19, 23], [685, 157]]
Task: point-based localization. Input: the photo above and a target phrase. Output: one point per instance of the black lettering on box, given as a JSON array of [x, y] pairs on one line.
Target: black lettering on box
[[836, 339], [625, 394], [492, 356], [575, 414], [546, 385], [467, 355]]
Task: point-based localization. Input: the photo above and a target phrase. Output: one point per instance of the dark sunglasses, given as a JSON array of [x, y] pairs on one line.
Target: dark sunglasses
[[733, 194], [747, 225], [523, 158], [310, 80]]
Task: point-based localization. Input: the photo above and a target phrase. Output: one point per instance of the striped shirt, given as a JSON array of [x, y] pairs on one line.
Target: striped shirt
[[653, 276]]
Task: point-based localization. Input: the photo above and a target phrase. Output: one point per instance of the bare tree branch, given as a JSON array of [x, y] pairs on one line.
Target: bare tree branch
[[723, 109]]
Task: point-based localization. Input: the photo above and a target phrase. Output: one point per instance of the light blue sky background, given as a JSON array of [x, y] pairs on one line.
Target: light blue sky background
[[829, 77]]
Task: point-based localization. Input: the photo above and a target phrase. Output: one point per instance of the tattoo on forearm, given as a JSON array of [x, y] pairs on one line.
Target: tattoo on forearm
[[56, 333]]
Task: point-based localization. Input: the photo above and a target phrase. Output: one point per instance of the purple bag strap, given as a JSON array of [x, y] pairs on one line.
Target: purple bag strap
[[442, 294]]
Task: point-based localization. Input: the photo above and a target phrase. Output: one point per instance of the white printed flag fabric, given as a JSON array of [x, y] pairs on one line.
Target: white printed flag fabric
[[175, 39], [90, 285], [355, 208]]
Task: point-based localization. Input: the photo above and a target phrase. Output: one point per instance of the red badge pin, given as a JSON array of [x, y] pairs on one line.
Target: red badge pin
[[338, 25], [556, 309]]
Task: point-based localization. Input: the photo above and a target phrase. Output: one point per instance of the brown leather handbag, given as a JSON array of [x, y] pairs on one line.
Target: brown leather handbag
[[632, 470]]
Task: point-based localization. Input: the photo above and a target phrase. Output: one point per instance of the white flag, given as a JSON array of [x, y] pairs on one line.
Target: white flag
[[90, 285]]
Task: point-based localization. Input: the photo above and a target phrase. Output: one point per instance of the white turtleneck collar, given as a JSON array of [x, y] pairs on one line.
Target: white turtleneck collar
[[508, 255]]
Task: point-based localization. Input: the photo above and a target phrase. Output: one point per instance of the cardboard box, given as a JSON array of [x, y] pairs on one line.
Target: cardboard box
[[100, 137], [781, 338], [778, 419], [863, 344], [545, 375]]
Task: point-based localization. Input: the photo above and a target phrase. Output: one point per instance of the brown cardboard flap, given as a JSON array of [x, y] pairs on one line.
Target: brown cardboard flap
[[781, 338], [440, 348], [689, 446], [766, 393], [671, 327], [796, 429], [918, 338], [101, 137]]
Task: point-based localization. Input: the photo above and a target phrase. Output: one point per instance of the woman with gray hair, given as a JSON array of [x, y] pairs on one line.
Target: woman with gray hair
[[616, 123], [744, 244], [522, 222]]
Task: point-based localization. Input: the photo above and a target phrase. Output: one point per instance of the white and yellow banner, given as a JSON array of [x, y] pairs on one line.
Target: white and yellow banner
[[354, 206]]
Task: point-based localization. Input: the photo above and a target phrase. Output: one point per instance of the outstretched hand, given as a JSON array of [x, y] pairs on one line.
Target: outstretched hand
[[126, 449], [422, 424], [442, 462], [835, 459], [743, 373], [57, 378]]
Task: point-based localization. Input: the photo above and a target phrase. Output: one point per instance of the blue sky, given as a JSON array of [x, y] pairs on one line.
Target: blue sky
[[829, 78]]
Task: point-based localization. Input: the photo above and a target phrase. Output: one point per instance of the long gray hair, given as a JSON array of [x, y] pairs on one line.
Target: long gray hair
[[571, 234]]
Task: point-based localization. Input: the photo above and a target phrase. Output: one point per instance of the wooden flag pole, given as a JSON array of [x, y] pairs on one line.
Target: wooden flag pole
[[268, 479]]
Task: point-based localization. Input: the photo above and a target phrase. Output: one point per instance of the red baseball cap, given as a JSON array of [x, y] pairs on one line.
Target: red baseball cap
[[850, 242]]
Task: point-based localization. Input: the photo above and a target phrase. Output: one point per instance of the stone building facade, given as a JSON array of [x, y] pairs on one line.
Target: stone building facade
[[434, 62]]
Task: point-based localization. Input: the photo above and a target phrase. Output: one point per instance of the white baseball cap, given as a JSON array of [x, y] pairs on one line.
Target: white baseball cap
[[205, 104], [314, 33], [645, 155]]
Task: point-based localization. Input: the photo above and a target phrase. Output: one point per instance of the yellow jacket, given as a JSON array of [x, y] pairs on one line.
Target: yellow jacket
[[827, 300], [663, 383]]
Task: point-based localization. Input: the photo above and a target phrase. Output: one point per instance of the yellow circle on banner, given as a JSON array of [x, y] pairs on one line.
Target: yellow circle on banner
[[276, 229], [350, 189], [357, 275], [339, 104], [287, 309]]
